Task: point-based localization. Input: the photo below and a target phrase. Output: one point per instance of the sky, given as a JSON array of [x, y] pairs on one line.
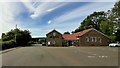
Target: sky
[[41, 17]]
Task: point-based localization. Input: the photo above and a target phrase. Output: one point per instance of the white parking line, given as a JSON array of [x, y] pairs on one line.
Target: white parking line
[[97, 56], [103, 56], [91, 56]]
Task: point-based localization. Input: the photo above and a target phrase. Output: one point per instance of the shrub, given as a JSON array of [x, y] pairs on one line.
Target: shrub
[[8, 44], [22, 38]]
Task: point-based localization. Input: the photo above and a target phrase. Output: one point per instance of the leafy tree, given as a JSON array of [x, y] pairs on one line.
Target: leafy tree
[[117, 35], [19, 36], [106, 22], [92, 21], [5, 37], [23, 37], [115, 15], [106, 27], [2, 35], [116, 11], [67, 32]]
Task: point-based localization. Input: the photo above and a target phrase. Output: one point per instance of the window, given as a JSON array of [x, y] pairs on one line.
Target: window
[[99, 39], [72, 43], [87, 39], [48, 42], [54, 34], [77, 38], [93, 39]]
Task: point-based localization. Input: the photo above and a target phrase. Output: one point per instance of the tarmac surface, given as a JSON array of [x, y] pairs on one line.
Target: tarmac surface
[[61, 56]]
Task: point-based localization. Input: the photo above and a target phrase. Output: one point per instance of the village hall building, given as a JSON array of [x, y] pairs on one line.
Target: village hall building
[[88, 37]]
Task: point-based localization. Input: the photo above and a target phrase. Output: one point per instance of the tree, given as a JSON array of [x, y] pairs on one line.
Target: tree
[[21, 37], [106, 27], [115, 18], [5, 37], [117, 35], [106, 22], [92, 21], [67, 32], [116, 11], [3, 34]]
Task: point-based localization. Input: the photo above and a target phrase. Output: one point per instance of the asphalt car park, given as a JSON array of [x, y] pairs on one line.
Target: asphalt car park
[[61, 56]]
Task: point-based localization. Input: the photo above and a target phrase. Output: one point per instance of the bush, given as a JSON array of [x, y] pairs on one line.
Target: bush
[[8, 44], [22, 38]]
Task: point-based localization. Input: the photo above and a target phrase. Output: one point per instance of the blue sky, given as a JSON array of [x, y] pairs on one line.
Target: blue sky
[[41, 17]]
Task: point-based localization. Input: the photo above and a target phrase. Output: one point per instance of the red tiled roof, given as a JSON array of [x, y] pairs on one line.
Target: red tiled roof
[[82, 32], [74, 35], [69, 37]]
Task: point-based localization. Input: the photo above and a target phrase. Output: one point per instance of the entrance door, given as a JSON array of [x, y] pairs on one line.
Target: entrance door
[[70, 43]]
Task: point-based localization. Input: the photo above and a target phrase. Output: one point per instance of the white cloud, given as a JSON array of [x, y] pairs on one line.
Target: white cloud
[[49, 10], [55, 7], [49, 22], [28, 6], [34, 16], [42, 8], [83, 11], [8, 12], [66, 26]]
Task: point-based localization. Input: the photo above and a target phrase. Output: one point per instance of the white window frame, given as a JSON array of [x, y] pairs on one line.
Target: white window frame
[[92, 40], [95, 39], [48, 42], [88, 39], [100, 39], [54, 34]]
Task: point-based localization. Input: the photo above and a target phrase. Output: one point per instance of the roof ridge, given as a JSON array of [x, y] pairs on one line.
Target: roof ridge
[[84, 30], [54, 30]]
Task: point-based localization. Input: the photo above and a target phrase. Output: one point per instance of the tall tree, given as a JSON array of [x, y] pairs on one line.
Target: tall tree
[[115, 14], [106, 22], [20, 36], [117, 35], [92, 21]]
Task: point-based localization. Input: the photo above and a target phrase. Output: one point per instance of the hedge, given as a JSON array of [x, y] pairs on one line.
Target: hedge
[[8, 44]]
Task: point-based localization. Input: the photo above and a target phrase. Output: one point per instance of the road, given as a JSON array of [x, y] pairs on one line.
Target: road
[[61, 56]]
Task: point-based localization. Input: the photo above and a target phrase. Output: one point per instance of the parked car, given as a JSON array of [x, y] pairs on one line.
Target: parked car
[[114, 44]]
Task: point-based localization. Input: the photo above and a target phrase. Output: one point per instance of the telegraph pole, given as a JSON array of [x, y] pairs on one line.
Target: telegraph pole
[[15, 32]]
